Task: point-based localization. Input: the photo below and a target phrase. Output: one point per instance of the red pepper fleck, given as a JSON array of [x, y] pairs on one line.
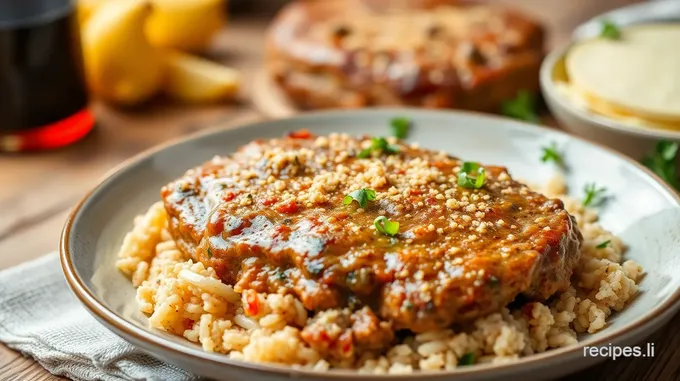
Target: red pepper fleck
[[229, 196], [324, 338], [438, 164], [251, 306], [415, 192], [430, 201], [300, 134], [287, 207], [269, 201], [282, 229], [346, 344]]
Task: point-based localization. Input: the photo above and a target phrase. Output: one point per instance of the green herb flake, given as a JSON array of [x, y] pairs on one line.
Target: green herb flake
[[594, 195], [408, 305], [379, 145], [385, 226], [603, 244], [209, 252], [494, 281], [472, 175], [552, 153], [662, 162], [522, 107], [609, 30], [362, 196], [400, 127], [467, 359]]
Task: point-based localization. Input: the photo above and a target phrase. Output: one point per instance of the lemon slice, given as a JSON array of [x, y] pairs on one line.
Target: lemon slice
[[193, 79]]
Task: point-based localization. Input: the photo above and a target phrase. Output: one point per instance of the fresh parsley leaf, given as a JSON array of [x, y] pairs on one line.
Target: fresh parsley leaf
[[609, 30], [378, 144], [385, 226], [594, 195], [603, 244], [209, 252], [522, 107], [552, 153], [467, 359], [400, 127], [364, 153], [471, 175], [362, 196], [662, 162]]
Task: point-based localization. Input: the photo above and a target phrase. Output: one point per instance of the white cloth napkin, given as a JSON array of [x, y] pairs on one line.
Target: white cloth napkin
[[40, 317]]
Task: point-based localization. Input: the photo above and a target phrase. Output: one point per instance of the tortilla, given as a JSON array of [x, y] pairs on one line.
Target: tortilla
[[637, 75]]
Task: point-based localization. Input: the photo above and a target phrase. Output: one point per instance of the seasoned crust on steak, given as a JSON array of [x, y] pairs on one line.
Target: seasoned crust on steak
[[435, 53], [271, 218]]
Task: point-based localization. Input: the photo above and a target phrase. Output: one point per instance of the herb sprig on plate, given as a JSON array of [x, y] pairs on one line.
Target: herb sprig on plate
[[400, 127], [385, 226], [603, 244], [609, 30], [662, 162], [552, 153], [472, 175], [380, 145], [522, 107], [594, 195], [362, 196]]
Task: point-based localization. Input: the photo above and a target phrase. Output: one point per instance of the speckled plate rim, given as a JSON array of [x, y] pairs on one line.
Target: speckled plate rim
[[661, 313]]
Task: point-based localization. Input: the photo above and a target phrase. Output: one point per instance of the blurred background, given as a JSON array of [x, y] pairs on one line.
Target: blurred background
[[87, 85]]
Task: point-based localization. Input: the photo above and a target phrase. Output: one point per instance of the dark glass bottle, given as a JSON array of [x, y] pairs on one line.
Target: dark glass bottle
[[43, 97]]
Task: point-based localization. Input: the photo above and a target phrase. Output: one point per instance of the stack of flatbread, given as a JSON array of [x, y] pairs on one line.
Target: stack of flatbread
[[634, 78]]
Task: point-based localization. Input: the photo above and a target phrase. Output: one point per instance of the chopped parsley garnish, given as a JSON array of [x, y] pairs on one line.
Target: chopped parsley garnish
[[522, 107], [494, 281], [400, 127], [385, 226], [552, 153], [378, 144], [362, 196], [408, 305], [594, 195], [609, 30], [280, 274], [472, 175], [603, 244], [467, 359], [662, 162], [209, 253]]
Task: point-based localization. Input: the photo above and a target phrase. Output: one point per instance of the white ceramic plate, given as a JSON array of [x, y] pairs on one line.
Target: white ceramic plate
[[643, 211]]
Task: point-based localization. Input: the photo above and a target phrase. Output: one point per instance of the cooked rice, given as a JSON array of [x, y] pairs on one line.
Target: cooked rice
[[188, 299]]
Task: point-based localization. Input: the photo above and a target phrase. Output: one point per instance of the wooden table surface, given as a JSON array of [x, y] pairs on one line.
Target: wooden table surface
[[39, 189]]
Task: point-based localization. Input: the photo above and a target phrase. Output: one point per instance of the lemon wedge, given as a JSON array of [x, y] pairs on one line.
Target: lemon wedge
[[185, 25], [120, 65], [193, 79]]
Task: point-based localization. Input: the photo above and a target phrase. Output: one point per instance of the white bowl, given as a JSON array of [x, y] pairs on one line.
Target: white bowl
[[631, 140]]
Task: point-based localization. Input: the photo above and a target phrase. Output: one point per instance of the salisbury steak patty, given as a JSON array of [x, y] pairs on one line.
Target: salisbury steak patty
[[430, 53], [271, 218]]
